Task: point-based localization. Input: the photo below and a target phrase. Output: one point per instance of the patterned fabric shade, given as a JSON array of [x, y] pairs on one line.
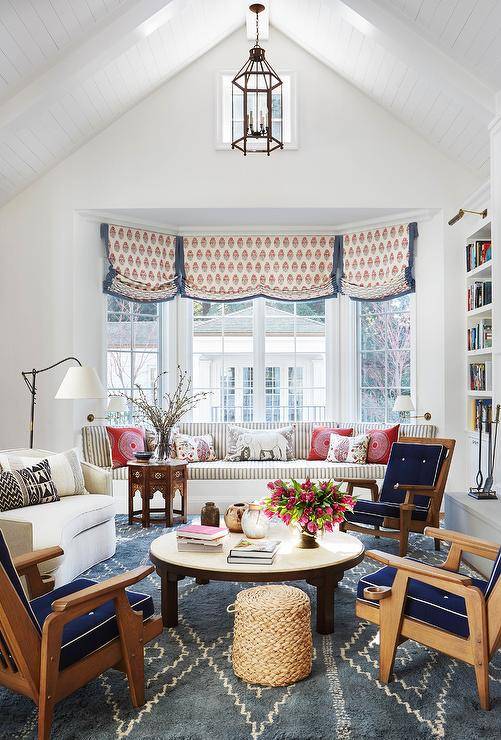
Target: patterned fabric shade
[[142, 264], [378, 263], [293, 268]]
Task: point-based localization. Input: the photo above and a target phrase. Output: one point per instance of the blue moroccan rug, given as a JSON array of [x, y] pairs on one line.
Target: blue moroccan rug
[[192, 693]]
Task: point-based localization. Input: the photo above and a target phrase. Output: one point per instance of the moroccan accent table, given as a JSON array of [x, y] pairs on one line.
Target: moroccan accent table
[[322, 567], [168, 477]]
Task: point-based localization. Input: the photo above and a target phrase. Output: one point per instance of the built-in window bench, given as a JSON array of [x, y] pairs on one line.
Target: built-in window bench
[[477, 518]]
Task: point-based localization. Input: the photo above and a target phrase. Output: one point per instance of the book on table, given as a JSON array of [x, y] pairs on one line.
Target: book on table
[[201, 532], [233, 560], [199, 546], [252, 550]]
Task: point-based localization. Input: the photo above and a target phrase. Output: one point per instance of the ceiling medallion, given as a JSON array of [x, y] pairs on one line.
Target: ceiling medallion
[[256, 102]]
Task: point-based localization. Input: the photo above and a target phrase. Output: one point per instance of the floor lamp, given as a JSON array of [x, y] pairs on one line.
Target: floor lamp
[[79, 383]]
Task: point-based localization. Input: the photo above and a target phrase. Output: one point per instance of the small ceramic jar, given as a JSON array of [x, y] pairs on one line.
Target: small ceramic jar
[[209, 516], [233, 517], [255, 522]]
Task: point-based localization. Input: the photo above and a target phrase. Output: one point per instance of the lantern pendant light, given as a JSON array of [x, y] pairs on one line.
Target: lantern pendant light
[[257, 124]]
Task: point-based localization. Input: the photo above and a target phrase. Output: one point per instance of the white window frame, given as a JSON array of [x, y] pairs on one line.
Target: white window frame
[[160, 352], [292, 108], [356, 358]]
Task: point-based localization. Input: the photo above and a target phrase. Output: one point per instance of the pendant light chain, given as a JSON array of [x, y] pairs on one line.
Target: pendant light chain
[[257, 29]]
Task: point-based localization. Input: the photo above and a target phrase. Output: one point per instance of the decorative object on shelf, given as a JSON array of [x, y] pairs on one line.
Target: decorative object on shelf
[[276, 621], [255, 523], [233, 517], [164, 419], [311, 506], [257, 102], [459, 215], [403, 406], [79, 383], [483, 490], [210, 516], [115, 411], [166, 477]]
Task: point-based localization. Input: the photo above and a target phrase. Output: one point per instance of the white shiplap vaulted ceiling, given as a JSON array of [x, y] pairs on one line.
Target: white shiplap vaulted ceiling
[[68, 68]]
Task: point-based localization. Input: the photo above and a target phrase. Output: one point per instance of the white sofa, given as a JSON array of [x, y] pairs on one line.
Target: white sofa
[[228, 482], [82, 525]]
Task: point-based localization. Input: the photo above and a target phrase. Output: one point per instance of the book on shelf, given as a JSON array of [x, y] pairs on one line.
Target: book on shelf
[[201, 532], [480, 408], [480, 376], [199, 546], [264, 549], [477, 253], [479, 294], [479, 336]]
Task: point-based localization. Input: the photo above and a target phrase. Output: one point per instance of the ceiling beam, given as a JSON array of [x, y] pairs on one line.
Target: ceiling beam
[[132, 21], [400, 39]]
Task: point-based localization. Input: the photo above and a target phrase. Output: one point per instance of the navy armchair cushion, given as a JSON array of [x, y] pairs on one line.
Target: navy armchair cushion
[[426, 603], [496, 572], [374, 512], [11, 572], [414, 463], [89, 632]]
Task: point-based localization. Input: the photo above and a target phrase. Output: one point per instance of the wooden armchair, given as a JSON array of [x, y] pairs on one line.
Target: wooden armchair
[[436, 606], [60, 640], [411, 494]]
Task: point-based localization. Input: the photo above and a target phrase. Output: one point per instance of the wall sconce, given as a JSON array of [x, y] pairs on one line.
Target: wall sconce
[[117, 405], [403, 405], [459, 215]]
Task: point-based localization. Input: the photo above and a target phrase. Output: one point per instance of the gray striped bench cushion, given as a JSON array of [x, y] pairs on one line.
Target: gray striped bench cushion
[[299, 469]]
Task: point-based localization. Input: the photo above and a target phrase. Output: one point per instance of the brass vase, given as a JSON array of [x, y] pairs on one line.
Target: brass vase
[[233, 517], [307, 541]]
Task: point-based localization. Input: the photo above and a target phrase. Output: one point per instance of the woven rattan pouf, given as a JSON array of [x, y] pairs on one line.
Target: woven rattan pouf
[[272, 643]]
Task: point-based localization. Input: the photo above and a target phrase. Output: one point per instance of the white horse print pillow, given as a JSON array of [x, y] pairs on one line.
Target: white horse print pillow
[[260, 444]]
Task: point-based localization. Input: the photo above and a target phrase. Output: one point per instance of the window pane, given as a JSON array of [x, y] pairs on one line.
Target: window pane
[[384, 336], [223, 344], [133, 345], [272, 393], [295, 345]]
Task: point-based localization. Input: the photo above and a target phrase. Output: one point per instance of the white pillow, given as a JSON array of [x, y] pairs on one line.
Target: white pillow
[[259, 444], [194, 448], [65, 467], [348, 449]]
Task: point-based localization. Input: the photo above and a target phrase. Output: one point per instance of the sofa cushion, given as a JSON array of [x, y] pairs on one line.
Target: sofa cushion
[[269, 470], [380, 443], [320, 441], [260, 444], [125, 442], [91, 631], [65, 468], [59, 522], [348, 449], [426, 603], [31, 486], [194, 448]]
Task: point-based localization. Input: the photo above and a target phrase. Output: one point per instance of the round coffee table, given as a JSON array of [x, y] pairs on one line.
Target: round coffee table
[[322, 567]]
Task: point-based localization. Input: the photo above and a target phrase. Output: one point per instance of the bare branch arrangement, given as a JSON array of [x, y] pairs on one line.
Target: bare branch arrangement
[[176, 405]]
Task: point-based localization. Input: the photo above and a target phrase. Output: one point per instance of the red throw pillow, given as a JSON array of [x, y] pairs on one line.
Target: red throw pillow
[[320, 440], [125, 442], [380, 442]]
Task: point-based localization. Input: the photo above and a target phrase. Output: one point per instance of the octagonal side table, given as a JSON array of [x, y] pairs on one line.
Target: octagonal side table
[[168, 477]]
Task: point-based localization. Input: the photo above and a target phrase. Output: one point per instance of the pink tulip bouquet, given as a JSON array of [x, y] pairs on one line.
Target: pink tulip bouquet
[[313, 506]]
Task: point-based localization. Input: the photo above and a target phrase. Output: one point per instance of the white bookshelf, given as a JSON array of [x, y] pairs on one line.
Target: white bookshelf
[[480, 273]]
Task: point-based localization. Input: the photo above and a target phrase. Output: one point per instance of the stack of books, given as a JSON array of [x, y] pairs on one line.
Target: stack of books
[[254, 553], [479, 294], [480, 335], [478, 253], [481, 376], [199, 538]]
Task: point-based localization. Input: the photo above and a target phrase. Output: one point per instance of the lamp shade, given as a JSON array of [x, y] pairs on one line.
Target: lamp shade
[[81, 382], [403, 403], [117, 405]]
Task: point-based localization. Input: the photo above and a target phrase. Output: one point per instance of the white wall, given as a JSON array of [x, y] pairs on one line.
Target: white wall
[[351, 153]]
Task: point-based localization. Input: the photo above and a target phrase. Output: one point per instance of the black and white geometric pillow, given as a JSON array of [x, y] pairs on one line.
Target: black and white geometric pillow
[[27, 487]]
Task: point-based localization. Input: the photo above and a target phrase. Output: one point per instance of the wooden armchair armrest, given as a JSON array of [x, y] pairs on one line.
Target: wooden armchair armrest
[[417, 569], [411, 488], [466, 543], [23, 562], [358, 481], [100, 592]]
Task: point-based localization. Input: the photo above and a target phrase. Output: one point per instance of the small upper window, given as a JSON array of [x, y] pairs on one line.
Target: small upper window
[[223, 136]]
